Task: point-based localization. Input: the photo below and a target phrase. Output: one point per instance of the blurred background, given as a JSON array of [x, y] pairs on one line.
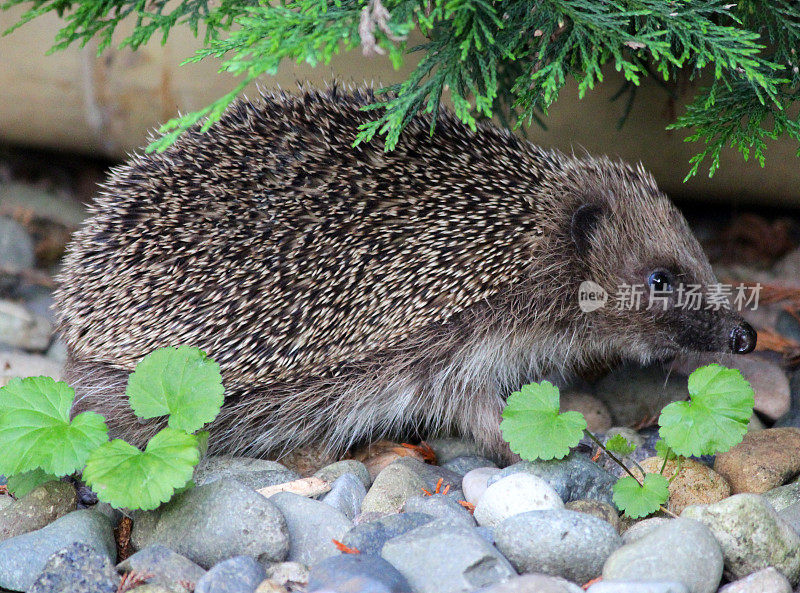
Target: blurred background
[[67, 117]]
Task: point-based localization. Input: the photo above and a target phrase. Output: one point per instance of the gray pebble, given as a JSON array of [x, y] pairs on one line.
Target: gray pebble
[[395, 484], [78, 568], [210, 523], [637, 587], [440, 507], [441, 557], [682, 550], [240, 574], [466, 463], [560, 543], [766, 580], [288, 574], [533, 583], [16, 245], [641, 528], [783, 496], [313, 525], [253, 473], [23, 557], [40, 507], [575, 477], [450, 448], [167, 567], [357, 573], [791, 516], [346, 495], [369, 538], [751, 534], [330, 472]]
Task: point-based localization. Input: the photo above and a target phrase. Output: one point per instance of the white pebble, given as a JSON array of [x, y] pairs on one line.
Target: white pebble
[[515, 494], [474, 483]]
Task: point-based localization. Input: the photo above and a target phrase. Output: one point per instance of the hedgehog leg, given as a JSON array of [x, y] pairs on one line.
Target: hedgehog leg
[[100, 387]]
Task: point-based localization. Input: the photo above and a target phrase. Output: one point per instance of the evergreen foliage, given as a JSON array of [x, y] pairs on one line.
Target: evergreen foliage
[[508, 58]]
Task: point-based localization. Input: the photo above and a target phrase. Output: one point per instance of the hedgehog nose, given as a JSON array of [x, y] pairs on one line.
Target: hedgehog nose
[[743, 338]]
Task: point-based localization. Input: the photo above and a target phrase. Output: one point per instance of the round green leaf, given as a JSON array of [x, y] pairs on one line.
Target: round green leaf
[[125, 476], [714, 419], [639, 501], [182, 382], [533, 427], [619, 445], [35, 430]]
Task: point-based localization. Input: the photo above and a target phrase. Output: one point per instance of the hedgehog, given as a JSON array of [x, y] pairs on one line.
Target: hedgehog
[[349, 293]]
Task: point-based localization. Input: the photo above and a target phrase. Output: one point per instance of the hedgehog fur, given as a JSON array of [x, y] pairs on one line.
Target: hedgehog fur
[[350, 293]]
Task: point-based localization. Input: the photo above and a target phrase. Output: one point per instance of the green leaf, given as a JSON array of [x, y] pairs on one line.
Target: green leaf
[[639, 501], [125, 476], [35, 430], [715, 419], [21, 484], [619, 445], [182, 382], [533, 426]]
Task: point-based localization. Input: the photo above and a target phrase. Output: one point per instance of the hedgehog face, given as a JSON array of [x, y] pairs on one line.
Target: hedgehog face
[[662, 296]]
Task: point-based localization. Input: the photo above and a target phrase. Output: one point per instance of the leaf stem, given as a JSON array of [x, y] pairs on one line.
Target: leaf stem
[[614, 457]]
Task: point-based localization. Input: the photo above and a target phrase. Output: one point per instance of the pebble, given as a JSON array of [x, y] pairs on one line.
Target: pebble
[[466, 463], [19, 328], [331, 472], [767, 580], [312, 525], [769, 382], [533, 583], [694, 557], [23, 557], [476, 481], [240, 574], [40, 507], [369, 538], [432, 474], [783, 496], [637, 587], [597, 414], [695, 484], [450, 448], [288, 574], [559, 543], [751, 534], [210, 523], [16, 246], [17, 364], [440, 507], [357, 573], [379, 455], [167, 568], [392, 487], [641, 528], [440, 557], [595, 508], [78, 568], [574, 478], [762, 461], [515, 494], [792, 417], [634, 393], [253, 473], [791, 516], [61, 208], [346, 494]]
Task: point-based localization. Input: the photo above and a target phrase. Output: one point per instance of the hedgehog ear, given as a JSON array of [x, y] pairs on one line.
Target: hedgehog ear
[[584, 222]]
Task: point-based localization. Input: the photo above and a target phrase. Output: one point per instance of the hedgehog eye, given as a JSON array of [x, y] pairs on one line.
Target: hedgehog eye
[[660, 280]]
